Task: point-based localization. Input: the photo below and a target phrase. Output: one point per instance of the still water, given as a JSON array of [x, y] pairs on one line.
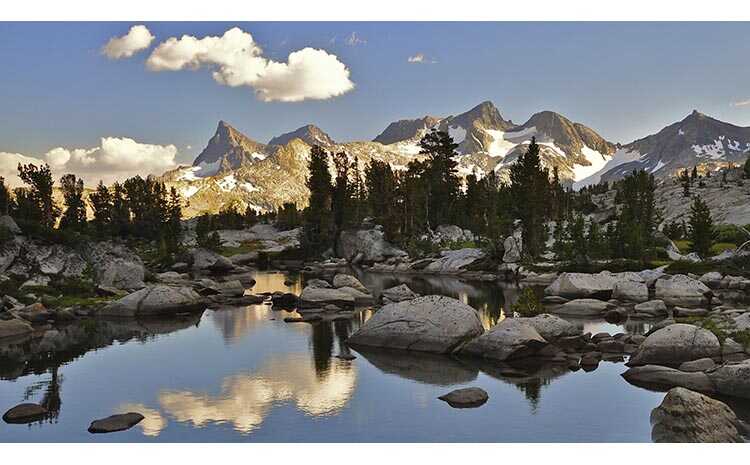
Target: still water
[[242, 374]]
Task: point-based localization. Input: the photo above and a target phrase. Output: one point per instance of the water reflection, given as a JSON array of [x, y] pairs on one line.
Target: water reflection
[[246, 399], [153, 422]]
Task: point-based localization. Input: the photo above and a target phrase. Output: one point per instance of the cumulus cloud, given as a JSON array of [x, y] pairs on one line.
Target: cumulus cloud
[[237, 60], [138, 38], [115, 159], [420, 58]]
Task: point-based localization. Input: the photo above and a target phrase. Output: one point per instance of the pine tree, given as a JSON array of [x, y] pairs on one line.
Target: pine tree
[[685, 180], [694, 174], [318, 216], [172, 226], [120, 212], [701, 229], [43, 209], [529, 187], [74, 216], [342, 196], [638, 217], [5, 198], [381, 185], [101, 204], [441, 176]]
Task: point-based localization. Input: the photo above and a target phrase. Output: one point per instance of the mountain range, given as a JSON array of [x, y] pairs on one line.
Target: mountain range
[[236, 168]]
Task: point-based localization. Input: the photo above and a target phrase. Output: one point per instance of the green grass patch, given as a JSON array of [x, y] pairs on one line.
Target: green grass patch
[[528, 304], [244, 247], [720, 247], [684, 246]]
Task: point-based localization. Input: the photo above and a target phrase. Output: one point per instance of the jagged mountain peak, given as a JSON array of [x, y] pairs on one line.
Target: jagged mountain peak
[[309, 133], [406, 129], [484, 115], [228, 149]]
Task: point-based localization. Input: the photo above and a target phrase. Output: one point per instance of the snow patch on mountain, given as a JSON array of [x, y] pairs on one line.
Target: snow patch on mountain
[[457, 133], [227, 183], [620, 157], [189, 191], [596, 160], [500, 146]]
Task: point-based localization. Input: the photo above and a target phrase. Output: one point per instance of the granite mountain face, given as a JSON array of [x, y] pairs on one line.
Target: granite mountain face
[[234, 168]]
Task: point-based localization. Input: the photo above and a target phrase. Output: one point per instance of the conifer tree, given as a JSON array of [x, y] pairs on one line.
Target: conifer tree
[[441, 177], [120, 212], [694, 174], [43, 209], [638, 217], [318, 217], [5, 198], [685, 180], [529, 187], [701, 231], [381, 185], [101, 204], [74, 216]]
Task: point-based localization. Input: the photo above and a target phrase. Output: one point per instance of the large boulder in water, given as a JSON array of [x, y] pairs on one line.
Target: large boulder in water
[[584, 307], [630, 291], [432, 323], [510, 339], [206, 260], [319, 297], [465, 398], [156, 300], [661, 377], [687, 416], [397, 294], [732, 379], [581, 285], [675, 344], [551, 326], [113, 423], [681, 290], [14, 327], [453, 261], [347, 280], [25, 413], [370, 243]]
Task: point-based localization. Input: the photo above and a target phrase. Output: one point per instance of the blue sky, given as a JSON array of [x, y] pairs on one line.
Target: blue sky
[[625, 80]]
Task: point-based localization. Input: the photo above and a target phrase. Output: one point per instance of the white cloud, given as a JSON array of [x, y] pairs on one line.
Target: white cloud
[[741, 103], [115, 159], [237, 60], [354, 40], [420, 58], [138, 38]]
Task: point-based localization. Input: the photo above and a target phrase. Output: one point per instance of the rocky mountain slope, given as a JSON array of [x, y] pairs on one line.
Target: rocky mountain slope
[[697, 140]]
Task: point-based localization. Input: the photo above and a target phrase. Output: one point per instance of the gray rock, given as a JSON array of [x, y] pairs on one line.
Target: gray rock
[[687, 416], [683, 312], [436, 324], [702, 364], [347, 280], [675, 344], [581, 285], [244, 258], [113, 423], [655, 307], [360, 298], [206, 260], [120, 273], [398, 293], [317, 297], [512, 247], [466, 398], [742, 322], [8, 223], [661, 377], [681, 290], [370, 244], [453, 261], [584, 307], [318, 283], [24, 413], [732, 379], [155, 300], [14, 328], [508, 340], [711, 279], [551, 327], [630, 291]]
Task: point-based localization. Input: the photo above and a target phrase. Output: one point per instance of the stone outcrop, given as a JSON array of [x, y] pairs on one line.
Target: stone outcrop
[[661, 377], [732, 379], [508, 340], [13, 328], [429, 324], [319, 297], [676, 344], [454, 261], [583, 307], [687, 416], [155, 300], [369, 244], [681, 290], [551, 327], [398, 293], [347, 280], [582, 285]]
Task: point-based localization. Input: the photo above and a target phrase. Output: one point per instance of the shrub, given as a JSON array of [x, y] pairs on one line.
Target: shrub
[[729, 233], [528, 304], [684, 246], [720, 247]]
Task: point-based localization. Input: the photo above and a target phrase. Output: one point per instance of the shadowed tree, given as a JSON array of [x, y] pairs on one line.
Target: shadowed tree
[[529, 189], [74, 216], [701, 231]]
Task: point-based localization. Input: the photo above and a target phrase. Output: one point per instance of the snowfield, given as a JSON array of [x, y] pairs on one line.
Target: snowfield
[[620, 157]]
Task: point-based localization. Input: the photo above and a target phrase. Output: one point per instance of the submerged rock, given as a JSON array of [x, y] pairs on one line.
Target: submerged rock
[[433, 323], [510, 339], [687, 416], [675, 344], [25, 413], [466, 397], [661, 377], [113, 423]]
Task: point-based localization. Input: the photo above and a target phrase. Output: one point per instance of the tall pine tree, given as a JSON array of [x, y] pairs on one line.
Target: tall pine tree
[[529, 189], [701, 231]]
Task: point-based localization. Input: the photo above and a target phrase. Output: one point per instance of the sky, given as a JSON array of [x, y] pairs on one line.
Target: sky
[[149, 99]]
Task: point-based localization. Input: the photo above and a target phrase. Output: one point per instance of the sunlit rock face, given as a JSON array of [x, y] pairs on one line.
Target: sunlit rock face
[[246, 399]]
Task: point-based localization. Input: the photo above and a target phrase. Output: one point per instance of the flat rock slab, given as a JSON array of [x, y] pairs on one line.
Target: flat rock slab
[[466, 398], [24, 413], [119, 422]]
